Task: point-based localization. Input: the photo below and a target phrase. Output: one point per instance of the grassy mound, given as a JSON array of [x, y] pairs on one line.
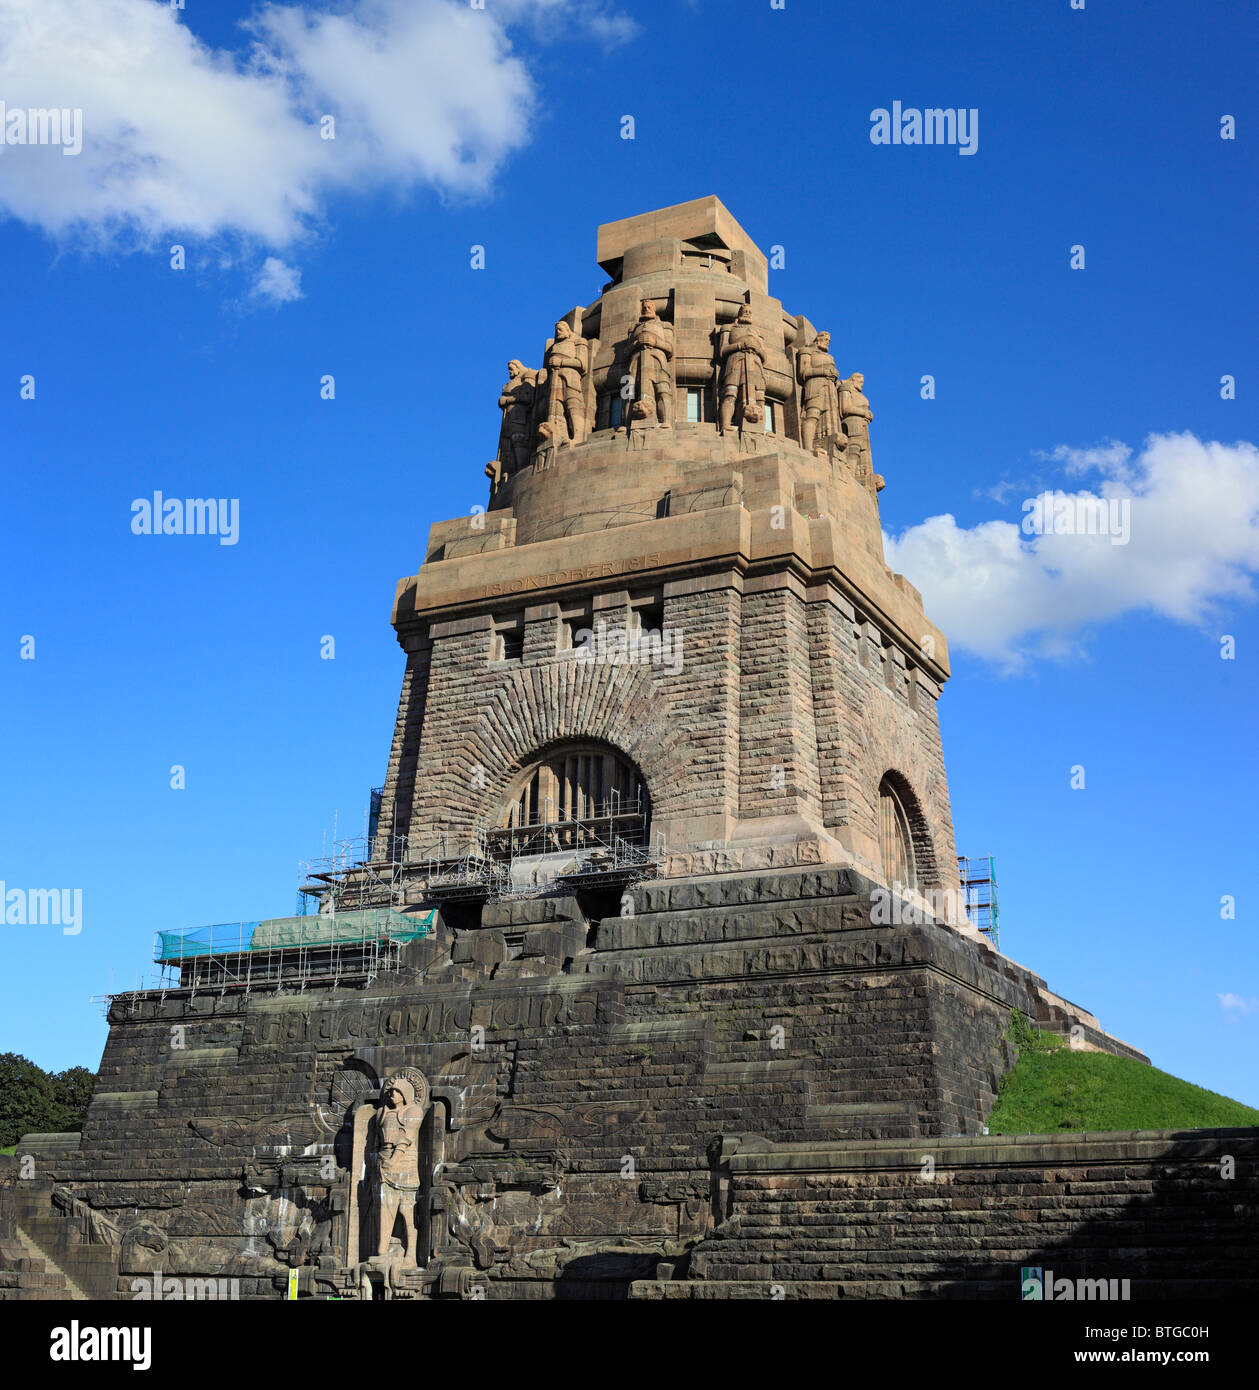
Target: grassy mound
[[1054, 1088]]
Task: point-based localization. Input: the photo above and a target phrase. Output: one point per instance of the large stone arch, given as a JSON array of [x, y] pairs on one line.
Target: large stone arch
[[544, 707], [921, 843], [573, 779]]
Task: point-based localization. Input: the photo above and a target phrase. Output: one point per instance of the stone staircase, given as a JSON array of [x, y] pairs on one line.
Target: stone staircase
[[875, 1221], [59, 1284], [43, 1254]]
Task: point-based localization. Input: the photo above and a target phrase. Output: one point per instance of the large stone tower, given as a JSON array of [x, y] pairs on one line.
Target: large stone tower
[[678, 593], [639, 944]]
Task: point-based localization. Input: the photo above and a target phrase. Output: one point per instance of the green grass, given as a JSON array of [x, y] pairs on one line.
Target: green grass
[[12, 1149], [1053, 1088]]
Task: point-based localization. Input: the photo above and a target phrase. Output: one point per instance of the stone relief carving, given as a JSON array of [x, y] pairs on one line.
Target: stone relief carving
[[819, 378], [268, 1132], [517, 401], [348, 1086], [741, 354], [567, 362], [394, 1137], [855, 412], [470, 1220], [94, 1229], [650, 368]]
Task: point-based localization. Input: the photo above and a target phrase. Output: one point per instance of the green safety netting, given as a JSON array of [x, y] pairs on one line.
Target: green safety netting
[[280, 933]]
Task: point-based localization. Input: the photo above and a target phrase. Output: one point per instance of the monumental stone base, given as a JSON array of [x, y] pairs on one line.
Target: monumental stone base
[[605, 1096]]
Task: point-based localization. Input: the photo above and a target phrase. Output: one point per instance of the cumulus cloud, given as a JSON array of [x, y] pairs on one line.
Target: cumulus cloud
[[181, 137], [555, 18], [1233, 1005], [277, 282], [1110, 457], [1192, 510]]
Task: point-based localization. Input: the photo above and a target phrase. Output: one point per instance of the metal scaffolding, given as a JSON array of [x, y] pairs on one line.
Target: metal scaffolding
[[352, 876], [359, 922], [608, 847], [978, 877]]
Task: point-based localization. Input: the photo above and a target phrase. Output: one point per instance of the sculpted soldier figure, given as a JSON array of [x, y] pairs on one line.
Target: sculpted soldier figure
[[516, 402], [651, 365], [818, 375], [567, 362], [854, 409], [397, 1141], [742, 353]]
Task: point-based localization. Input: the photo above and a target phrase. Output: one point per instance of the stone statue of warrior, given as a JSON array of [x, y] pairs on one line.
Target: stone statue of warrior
[[397, 1143], [651, 365], [854, 410], [516, 401], [567, 362], [818, 375], [741, 351]]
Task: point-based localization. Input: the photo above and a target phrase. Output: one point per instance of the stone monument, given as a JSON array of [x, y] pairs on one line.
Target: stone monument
[[653, 979]]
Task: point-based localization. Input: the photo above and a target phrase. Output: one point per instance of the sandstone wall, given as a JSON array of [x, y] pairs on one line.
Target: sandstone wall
[[585, 1071], [961, 1218]]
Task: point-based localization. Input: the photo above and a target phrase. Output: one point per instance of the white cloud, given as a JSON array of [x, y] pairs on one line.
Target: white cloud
[[279, 283], [1233, 1004], [1194, 542], [183, 138], [1110, 457], [555, 18]]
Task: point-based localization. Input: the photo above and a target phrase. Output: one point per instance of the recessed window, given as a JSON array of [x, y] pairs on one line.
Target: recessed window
[[586, 793], [895, 842], [616, 408], [695, 404], [508, 644], [648, 618], [571, 630], [771, 417]]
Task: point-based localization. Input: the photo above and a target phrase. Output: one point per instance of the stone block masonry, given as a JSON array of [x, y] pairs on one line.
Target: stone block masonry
[[659, 1042]]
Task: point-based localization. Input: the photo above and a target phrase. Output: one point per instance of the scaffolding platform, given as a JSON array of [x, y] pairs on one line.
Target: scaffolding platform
[[312, 951], [601, 831], [465, 880], [978, 878], [616, 865]]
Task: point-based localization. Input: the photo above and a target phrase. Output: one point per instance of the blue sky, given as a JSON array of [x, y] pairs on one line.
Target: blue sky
[[502, 128]]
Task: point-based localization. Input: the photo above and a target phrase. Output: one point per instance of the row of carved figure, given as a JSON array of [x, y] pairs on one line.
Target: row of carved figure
[[550, 404]]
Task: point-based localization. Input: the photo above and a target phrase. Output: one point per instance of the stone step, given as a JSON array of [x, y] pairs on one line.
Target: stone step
[[69, 1288]]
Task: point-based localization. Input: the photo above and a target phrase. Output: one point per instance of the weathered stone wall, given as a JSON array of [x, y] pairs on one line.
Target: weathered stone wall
[[961, 1218], [778, 730], [787, 712], [880, 716], [398, 794], [584, 1072]]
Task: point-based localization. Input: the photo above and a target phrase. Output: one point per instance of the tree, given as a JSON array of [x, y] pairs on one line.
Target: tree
[[72, 1089], [28, 1100]]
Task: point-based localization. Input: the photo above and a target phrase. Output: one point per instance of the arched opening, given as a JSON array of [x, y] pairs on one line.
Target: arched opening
[[576, 796], [896, 843]]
